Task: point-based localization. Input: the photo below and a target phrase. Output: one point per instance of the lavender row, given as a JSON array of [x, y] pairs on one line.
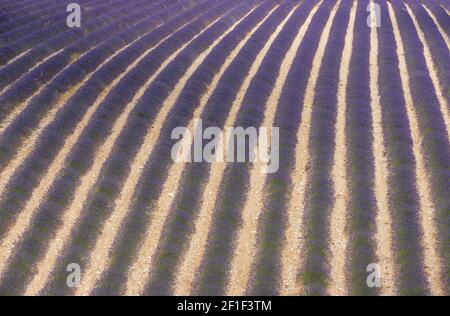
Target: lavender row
[[445, 4], [56, 133], [227, 210], [319, 185], [439, 13], [435, 143], [436, 43], [287, 119], [10, 10], [31, 116], [26, 82], [403, 195], [360, 159], [180, 223], [81, 157], [153, 178]]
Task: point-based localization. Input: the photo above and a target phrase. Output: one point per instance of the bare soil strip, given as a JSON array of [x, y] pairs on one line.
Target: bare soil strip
[[432, 263], [339, 235], [443, 104], [72, 214], [438, 25], [383, 234], [291, 257], [99, 258], [24, 219], [190, 265], [245, 245]]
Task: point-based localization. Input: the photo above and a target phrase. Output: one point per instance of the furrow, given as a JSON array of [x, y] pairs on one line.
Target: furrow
[[383, 234], [338, 220]]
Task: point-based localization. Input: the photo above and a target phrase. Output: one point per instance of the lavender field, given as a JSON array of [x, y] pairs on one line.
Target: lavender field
[[355, 199]]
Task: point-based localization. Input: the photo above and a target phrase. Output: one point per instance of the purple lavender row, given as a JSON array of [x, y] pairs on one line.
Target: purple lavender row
[[30, 81], [150, 184], [320, 192], [184, 209], [445, 4], [30, 117], [403, 196], [440, 14], [438, 47], [267, 273], [132, 137], [435, 143], [360, 160], [10, 10]]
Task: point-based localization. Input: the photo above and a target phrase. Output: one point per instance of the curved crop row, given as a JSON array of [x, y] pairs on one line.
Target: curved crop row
[[223, 273], [403, 195], [16, 146], [360, 159], [439, 14], [10, 11], [178, 226], [169, 74]]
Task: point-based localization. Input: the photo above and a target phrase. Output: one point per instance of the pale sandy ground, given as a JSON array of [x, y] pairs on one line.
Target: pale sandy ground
[[338, 219], [383, 235]]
